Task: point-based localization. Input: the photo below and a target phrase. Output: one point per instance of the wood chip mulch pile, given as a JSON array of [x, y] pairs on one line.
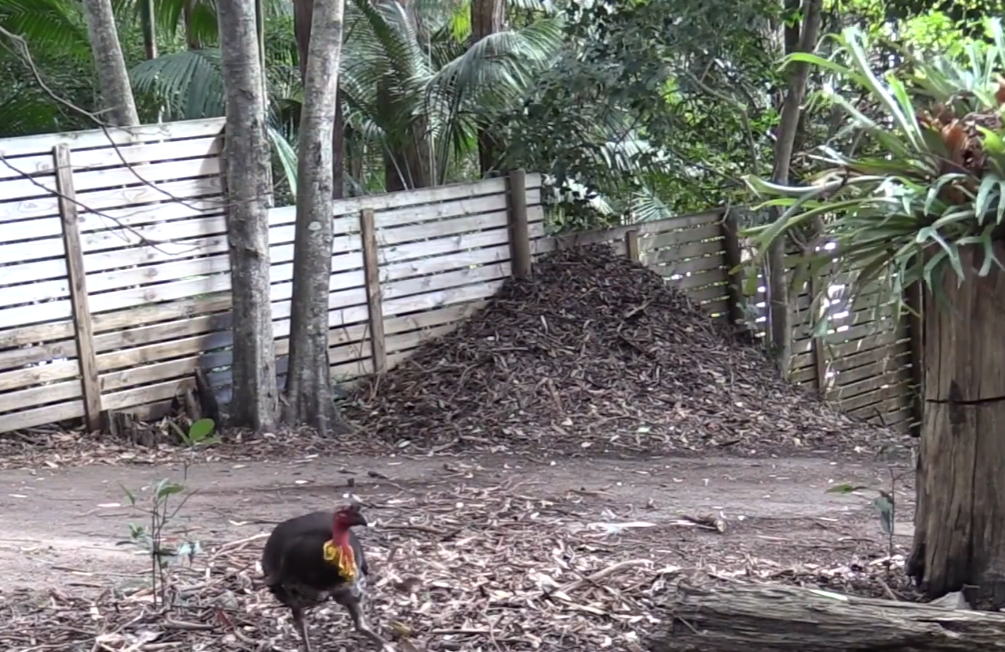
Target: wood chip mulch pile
[[596, 352]]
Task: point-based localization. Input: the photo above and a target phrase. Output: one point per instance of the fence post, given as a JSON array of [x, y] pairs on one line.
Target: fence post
[[734, 259], [83, 326], [374, 293], [819, 352], [915, 328], [632, 245], [519, 230]]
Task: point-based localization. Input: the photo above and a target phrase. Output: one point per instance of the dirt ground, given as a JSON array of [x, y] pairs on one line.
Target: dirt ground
[[63, 527]]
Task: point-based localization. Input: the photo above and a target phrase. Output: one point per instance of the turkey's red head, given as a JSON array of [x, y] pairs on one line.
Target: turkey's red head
[[347, 517]]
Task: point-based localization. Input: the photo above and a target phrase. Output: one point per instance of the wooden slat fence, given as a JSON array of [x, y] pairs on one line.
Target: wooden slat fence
[[114, 276], [111, 298]]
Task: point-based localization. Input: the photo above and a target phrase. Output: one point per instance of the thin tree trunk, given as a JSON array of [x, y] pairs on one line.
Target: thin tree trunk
[[487, 18], [303, 11], [780, 313], [116, 93], [255, 397], [959, 534], [187, 9], [308, 381], [149, 29]]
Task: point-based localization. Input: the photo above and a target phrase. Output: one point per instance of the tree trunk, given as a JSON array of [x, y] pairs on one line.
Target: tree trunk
[[487, 18], [308, 381], [113, 80], [303, 11], [740, 617], [779, 311], [959, 536], [148, 23], [246, 159], [190, 39]]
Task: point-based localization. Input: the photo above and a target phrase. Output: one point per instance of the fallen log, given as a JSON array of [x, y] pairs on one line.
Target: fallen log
[[744, 617]]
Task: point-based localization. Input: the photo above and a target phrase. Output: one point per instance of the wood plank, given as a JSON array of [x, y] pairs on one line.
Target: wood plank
[[21, 357], [163, 253], [150, 173], [431, 230], [22, 166], [115, 401], [719, 308], [22, 378], [856, 347], [385, 202], [41, 416], [28, 231], [714, 276], [646, 230], [13, 295], [35, 334], [694, 265], [521, 255], [453, 314], [192, 208], [220, 264], [374, 295], [106, 157], [33, 272], [78, 289], [99, 138], [683, 252], [851, 390], [888, 399], [850, 362], [712, 232], [101, 200], [35, 396], [451, 244], [707, 293], [125, 375], [850, 334], [20, 189], [203, 339]]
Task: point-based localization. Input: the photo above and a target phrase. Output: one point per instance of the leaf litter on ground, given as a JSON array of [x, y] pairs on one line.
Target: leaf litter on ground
[[462, 568]]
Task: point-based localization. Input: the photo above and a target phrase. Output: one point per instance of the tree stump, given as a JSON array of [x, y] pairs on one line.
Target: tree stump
[[742, 617], [960, 522]]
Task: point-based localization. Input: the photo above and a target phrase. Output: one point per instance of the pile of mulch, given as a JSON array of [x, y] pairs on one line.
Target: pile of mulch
[[596, 353]]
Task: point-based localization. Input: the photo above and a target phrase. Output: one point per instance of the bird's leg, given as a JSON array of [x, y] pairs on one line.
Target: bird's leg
[[356, 613], [301, 625]]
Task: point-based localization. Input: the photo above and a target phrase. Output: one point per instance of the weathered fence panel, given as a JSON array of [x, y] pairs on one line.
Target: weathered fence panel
[[115, 284]]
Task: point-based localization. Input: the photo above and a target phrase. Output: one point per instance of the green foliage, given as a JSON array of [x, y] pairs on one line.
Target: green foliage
[[929, 182], [200, 433], [155, 536]]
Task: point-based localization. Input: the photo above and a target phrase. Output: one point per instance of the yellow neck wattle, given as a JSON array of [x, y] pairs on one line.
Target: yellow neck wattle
[[342, 558]]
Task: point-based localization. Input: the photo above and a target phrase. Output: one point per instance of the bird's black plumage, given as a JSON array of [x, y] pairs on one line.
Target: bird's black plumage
[[297, 574], [294, 554]]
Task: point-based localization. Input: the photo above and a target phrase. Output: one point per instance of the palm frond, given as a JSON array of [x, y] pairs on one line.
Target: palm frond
[[47, 25], [189, 83]]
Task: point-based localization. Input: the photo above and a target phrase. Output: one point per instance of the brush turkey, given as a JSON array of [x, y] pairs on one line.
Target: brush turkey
[[314, 558]]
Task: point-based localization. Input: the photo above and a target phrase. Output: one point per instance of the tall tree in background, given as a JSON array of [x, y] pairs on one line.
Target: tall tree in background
[[246, 157], [487, 18], [308, 381], [779, 310], [116, 93], [303, 12]]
